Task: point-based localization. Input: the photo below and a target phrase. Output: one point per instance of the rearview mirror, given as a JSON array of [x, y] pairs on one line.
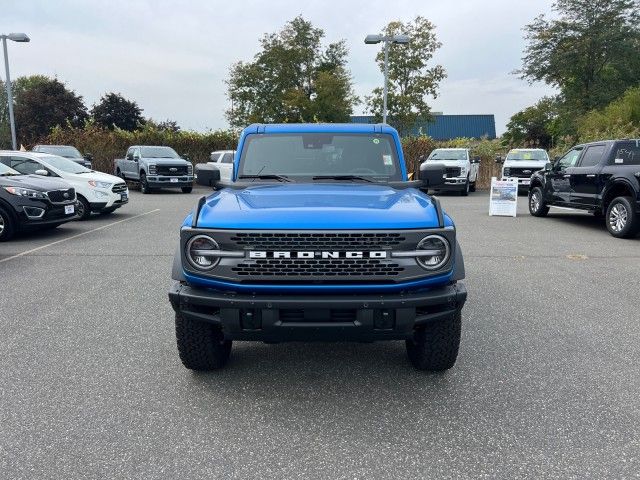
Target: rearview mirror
[[207, 175], [432, 174], [42, 172]]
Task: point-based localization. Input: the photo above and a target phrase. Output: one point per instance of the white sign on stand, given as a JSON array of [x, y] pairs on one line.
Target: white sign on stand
[[503, 198]]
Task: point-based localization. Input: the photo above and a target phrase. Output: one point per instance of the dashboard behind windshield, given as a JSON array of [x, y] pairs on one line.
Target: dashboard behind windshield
[[158, 152], [535, 155], [306, 155]]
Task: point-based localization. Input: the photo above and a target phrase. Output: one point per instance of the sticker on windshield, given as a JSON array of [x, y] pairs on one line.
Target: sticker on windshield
[[376, 141], [387, 159], [619, 160]]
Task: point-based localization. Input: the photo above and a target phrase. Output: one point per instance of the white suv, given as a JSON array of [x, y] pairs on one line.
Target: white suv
[[462, 170], [97, 192], [223, 159]]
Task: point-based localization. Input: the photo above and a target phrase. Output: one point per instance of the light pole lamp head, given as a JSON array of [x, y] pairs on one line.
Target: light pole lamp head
[[373, 39], [402, 39], [18, 37]]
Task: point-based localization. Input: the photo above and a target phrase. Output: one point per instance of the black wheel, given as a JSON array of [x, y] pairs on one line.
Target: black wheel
[[120, 174], [201, 345], [144, 186], [465, 191], [622, 219], [83, 209], [187, 189], [537, 207], [7, 226], [434, 347]]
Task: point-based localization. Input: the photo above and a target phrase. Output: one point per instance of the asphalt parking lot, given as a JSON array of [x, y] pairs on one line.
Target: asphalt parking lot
[[547, 384]]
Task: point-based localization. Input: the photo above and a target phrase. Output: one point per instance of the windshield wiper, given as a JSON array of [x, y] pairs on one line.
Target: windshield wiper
[[281, 178], [341, 177]]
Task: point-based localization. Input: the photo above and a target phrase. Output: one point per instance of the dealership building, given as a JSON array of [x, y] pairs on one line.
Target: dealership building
[[446, 127]]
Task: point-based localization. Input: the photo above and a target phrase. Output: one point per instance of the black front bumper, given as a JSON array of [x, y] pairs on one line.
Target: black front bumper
[[281, 318]]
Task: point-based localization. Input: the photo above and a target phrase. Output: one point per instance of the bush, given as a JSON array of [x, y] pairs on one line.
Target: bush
[[619, 119], [107, 145]]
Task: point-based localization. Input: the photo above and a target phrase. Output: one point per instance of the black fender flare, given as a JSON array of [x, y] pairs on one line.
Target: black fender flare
[[176, 270], [458, 269]]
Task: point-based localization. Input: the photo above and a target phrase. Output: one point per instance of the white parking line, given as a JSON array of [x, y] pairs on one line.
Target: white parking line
[[22, 254]]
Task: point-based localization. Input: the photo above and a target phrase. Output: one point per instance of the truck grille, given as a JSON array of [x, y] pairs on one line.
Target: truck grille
[[317, 241], [522, 172], [62, 196], [171, 169], [337, 267], [453, 172], [119, 187]]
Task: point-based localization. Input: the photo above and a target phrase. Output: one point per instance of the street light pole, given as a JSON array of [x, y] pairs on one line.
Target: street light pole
[[16, 37], [373, 39]]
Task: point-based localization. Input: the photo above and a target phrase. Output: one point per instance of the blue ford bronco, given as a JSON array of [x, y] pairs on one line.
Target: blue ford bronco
[[319, 236]]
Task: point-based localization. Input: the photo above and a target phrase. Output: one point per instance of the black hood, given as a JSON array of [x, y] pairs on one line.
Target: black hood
[[34, 182]]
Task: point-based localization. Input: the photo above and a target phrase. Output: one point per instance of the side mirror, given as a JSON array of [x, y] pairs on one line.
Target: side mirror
[[548, 166], [499, 159], [476, 160], [42, 172], [88, 156], [185, 156], [136, 158], [432, 174], [207, 175]]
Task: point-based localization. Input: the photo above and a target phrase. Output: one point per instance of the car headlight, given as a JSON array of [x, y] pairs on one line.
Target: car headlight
[[26, 192], [152, 170], [196, 252], [463, 171], [190, 169], [433, 252], [100, 194], [96, 184]]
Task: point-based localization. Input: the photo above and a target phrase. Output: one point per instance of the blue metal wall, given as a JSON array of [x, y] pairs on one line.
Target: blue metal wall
[[446, 127]]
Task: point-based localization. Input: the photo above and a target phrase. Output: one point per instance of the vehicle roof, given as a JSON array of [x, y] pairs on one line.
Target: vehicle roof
[[599, 142], [51, 145], [449, 149], [223, 151], [319, 128], [527, 150], [154, 146]]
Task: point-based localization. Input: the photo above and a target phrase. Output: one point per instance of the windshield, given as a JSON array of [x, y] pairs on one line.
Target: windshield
[[305, 155], [536, 155], [4, 170], [438, 154], [158, 152], [64, 164], [63, 151]]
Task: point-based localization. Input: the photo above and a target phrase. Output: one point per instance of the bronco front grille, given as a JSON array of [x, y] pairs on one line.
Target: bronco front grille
[[317, 241], [62, 196], [302, 267]]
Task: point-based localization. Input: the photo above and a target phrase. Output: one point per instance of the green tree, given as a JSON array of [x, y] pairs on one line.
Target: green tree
[[292, 79], [115, 111], [589, 51], [534, 126], [619, 119], [42, 103], [411, 78]]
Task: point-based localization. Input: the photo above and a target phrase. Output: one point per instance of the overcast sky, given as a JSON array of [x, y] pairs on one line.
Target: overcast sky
[[172, 57]]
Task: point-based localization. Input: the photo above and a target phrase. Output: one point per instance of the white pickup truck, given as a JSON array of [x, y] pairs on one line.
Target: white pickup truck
[[521, 163], [461, 168], [223, 160]]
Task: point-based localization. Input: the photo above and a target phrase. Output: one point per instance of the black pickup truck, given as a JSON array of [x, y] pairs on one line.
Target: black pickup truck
[[600, 177]]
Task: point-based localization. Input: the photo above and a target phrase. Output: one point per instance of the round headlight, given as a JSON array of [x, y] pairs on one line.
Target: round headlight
[[436, 252], [196, 252]]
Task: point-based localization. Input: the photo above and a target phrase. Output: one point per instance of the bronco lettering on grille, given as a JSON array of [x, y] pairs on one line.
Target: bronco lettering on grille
[[324, 255]]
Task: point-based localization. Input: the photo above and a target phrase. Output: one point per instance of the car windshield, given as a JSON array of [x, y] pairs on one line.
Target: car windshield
[[158, 152], [448, 155], [62, 150], [7, 171], [308, 155], [64, 164], [536, 155]]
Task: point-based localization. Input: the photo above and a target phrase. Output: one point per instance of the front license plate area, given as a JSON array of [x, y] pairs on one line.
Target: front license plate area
[[124, 196], [68, 209], [174, 180]]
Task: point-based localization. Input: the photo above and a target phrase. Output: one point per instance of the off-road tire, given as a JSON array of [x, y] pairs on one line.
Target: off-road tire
[[201, 345], [7, 224], [539, 208], [187, 189], [144, 186], [627, 228], [84, 209], [434, 347]]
